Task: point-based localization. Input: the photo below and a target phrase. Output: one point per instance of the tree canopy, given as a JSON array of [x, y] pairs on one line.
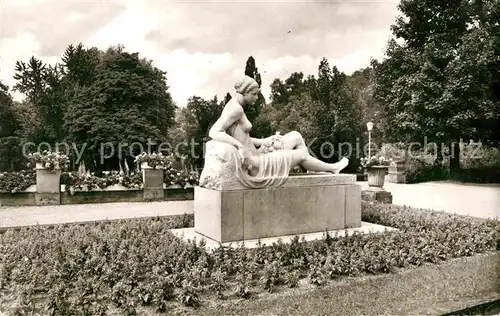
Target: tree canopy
[[439, 79]]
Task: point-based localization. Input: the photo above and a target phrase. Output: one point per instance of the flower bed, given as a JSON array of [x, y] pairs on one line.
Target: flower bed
[[89, 182], [180, 177], [17, 181], [135, 265]]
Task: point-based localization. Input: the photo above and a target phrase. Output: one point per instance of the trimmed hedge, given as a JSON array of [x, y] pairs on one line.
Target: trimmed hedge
[[436, 173], [477, 175], [131, 265]]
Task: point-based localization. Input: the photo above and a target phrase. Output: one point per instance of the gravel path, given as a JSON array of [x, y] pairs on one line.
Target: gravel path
[[79, 213], [465, 199]]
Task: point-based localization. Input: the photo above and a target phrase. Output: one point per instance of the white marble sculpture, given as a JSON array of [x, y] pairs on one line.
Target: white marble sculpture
[[234, 158]]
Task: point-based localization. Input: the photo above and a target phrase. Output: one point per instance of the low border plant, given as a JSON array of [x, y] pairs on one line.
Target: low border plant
[[137, 264]]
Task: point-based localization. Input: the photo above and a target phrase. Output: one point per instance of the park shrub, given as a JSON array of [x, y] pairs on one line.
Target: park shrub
[[419, 163], [136, 264], [474, 155], [394, 151], [418, 171], [478, 164]]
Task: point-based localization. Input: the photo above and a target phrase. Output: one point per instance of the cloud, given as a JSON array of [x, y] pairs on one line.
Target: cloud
[[203, 45], [195, 73], [19, 48], [56, 23], [271, 29]]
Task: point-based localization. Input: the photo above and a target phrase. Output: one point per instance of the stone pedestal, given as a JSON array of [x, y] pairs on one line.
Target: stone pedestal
[[374, 195], [397, 173], [304, 204], [153, 184], [48, 187]]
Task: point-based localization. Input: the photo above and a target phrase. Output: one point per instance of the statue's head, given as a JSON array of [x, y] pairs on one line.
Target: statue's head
[[248, 88]]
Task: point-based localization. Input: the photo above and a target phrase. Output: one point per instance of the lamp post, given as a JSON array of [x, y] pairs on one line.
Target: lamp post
[[369, 125]]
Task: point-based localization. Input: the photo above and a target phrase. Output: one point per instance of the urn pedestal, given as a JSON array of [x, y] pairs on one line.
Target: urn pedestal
[[376, 180], [48, 186], [152, 183], [397, 172]]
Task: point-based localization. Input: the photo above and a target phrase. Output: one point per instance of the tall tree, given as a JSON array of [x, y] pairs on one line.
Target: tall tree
[[251, 70], [337, 116], [199, 116], [31, 79], [80, 64], [279, 95], [323, 110], [361, 85], [10, 142], [261, 126], [301, 111], [421, 20], [128, 103], [227, 98], [8, 122], [325, 114], [427, 84], [282, 92], [42, 85]]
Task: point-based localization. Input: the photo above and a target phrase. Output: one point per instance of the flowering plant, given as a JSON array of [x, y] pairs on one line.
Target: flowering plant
[[49, 160], [375, 161], [17, 181], [153, 160], [180, 177], [91, 181]]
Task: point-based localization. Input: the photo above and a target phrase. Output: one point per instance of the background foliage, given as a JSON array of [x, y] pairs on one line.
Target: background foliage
[[439, 80]]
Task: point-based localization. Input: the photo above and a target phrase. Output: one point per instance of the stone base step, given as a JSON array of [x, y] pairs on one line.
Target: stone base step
[[210, 244]]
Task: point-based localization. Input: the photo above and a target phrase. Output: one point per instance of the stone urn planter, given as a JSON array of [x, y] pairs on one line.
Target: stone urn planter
[[376, 176]]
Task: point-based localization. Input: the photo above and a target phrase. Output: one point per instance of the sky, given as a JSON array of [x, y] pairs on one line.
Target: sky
[[202, 45]]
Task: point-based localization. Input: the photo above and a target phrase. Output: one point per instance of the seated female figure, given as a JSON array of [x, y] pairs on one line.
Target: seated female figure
[[265, 161]]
